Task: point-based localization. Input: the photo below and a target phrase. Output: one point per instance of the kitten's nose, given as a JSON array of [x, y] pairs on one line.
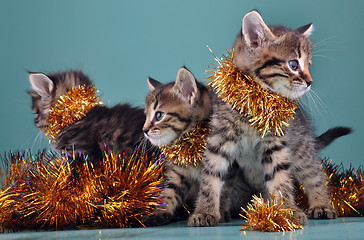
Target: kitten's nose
[[145, 130]]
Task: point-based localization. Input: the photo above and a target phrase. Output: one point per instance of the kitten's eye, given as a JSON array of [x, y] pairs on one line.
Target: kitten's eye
[[293, 64], [159, 115]]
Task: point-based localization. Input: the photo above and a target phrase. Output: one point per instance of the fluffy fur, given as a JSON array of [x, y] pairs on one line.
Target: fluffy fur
[[119, 126], [175, 108], [278, 59], [171, 110]]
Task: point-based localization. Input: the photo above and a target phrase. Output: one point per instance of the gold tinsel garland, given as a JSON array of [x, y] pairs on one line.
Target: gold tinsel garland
[[189, 147], [265, 110], [346, 190], [268, 216], [69, 108], [46, 191]]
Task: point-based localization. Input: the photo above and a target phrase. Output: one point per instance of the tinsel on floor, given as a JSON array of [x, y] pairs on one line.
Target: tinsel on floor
[[346, 189], [48, 191], [268, 216]]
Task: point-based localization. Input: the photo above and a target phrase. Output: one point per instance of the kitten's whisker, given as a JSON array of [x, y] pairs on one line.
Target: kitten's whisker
[[38, 139], [322, 50], [323, 41], [323, 56]]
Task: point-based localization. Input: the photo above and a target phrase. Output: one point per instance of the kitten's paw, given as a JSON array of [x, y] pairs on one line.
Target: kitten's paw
[[300, 216], [157, 219], [202, 220], [322, 212]]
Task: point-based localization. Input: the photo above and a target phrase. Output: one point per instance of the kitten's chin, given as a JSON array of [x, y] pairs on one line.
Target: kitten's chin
[[297, 93], [291, 92], [161, 140]]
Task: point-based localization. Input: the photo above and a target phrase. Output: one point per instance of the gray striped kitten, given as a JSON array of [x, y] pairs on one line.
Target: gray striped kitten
[[175, 108], [278, 59], [172, 110], [119, 126]]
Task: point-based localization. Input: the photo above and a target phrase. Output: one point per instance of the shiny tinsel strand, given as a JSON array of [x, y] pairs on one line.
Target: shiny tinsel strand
[[69, 108], [47, 191], [268, 216], [265, 110], [189, 147], [346, 188]]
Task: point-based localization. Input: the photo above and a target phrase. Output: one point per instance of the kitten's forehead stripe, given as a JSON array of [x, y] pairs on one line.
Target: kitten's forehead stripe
[[271, 62], [179, 117], [299, 49], [155, 104]]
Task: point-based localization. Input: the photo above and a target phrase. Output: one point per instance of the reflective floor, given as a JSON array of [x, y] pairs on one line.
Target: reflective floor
[[342, 228]]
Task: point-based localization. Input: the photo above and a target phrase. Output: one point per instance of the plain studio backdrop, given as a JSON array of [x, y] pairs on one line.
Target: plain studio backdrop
[[120, 43]]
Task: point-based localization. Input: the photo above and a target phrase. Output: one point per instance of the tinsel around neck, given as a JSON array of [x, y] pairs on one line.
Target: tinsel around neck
[[189, 147], [265, 110], [70, 108]]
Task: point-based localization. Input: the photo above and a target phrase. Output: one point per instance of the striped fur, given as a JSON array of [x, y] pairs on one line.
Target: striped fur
[[119, 126], [278, 59], [172, 110]]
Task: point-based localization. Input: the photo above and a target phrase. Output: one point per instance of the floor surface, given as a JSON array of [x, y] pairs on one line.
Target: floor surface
[[341, 228]]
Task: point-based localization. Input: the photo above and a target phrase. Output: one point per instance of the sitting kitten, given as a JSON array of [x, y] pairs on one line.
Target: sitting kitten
[[120, 126], [174, 109], [278, 59]]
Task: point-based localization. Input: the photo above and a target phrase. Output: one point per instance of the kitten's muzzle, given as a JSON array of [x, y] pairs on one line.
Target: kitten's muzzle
[[306, 76]]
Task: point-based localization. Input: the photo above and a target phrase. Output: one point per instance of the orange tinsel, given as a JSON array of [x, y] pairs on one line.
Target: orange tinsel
[[265, 110], [69, 108], [268, 216], [346, 189], [46, 191], [189, 147]]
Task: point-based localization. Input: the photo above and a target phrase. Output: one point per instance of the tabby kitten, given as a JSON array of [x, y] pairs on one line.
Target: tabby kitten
[[120, 126], [278, 59], [174, 109], [171, 110]]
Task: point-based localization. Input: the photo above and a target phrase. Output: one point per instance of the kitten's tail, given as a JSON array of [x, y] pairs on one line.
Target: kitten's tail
[[330, 135]]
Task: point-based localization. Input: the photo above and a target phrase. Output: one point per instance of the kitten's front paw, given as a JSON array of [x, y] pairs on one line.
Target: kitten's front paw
[[202, 220], [322, 212], [158, 219], [300, 216]]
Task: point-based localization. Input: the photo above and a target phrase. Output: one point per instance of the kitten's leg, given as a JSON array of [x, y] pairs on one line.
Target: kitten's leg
[[307, 170], [225, 204], [207, 211], [176, 193], [278, 180]]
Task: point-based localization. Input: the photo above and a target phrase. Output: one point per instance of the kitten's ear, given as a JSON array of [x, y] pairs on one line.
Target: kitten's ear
[[153, 84], [305, 30], [41, 83], [186, 85], [254, 29]]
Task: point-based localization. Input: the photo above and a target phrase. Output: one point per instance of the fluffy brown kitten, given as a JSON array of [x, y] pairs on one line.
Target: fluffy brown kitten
[[278, 59], [119, 126]]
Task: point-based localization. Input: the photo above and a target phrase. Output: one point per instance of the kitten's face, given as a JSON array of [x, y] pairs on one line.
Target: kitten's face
[[276, 57], [48, 89], [175, 108]]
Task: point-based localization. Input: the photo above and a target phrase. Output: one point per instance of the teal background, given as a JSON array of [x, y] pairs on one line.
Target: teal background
[[119, 43]]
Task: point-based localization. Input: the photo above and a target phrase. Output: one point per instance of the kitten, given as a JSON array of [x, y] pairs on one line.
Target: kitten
[[278, 59], [119, 126], [174, 109]]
